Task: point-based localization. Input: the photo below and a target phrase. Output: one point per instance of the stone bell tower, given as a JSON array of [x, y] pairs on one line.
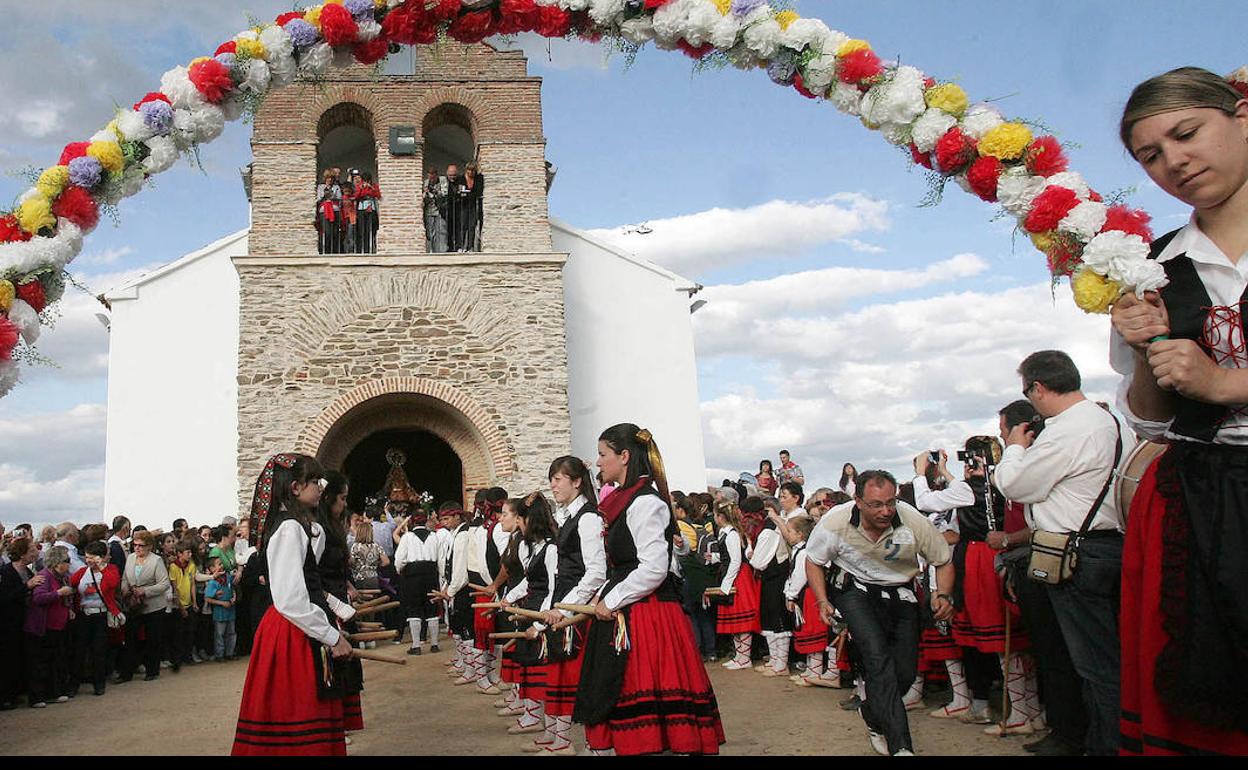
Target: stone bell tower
[[459, 360]]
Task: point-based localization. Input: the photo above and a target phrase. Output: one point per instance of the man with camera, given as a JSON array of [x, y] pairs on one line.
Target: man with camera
[[1064, 476]]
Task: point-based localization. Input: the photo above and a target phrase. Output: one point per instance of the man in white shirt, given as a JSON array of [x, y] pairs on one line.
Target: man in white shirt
[[1063, 476]]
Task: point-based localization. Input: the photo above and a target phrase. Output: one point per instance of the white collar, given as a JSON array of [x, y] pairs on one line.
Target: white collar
[[1193, 242]]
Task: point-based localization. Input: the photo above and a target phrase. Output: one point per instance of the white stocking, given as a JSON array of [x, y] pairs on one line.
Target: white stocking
[[957, 681], [532, 713], [433, 630], [1015, 685], [413, 624], [814, 665], [1031, 702], [779, 645], [831, 672], [548, 736], [741, 643], [915, 693], [562, 734], [485, 660]]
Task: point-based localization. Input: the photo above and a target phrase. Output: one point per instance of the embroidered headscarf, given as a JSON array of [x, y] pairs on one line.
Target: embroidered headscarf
[[262, 499]]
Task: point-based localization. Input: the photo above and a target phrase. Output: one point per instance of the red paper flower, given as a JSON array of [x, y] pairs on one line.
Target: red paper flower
[[1063, 257], [472, 27], [517, 16], [212, 79], [77, 205], [1094, 196], [154, 96], [371, 52], [692, 51], [859, 66], [923, 159], [1241, 86], [73, 150], [1049, 208], [953, 151], [337, 26], [801, 88], [983, 176], [1044, 157], [10, 232], [8, 338], [227, 47], [32, 294], [553, 21], [654, 5], [400, 25], [1127, 220], [288, 17], [445, 9]]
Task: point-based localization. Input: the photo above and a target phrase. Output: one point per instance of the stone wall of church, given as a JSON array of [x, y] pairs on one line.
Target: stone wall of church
[[488, 329]]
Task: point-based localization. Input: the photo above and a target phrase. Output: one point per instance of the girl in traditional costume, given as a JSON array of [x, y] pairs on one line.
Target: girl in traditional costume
[[335, 570], [738, 587]]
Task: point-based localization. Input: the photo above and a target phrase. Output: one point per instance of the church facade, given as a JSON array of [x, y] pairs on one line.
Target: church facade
[[481, 367]]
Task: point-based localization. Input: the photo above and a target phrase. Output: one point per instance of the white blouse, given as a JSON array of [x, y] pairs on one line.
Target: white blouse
[[732, 544], [286, 551], [647, 518], [412, 549], [797, 578]]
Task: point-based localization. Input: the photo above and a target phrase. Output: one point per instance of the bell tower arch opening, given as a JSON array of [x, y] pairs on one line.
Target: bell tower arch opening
[[450, 136], [346, 139]]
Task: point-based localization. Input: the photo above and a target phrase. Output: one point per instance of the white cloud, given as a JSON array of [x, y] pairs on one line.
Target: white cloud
[[76, 497], [720, 237], [52, 466], [105, 257], [878, 385]]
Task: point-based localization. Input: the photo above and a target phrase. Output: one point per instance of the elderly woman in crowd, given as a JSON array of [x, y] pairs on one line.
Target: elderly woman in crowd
[[17, 579], [95, 587], [46, 620], [144, 584]]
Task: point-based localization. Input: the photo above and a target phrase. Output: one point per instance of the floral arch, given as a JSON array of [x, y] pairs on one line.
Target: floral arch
[[1101, 247]]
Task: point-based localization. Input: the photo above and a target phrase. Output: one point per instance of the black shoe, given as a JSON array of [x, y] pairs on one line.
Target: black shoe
[[1054, 745], [434, 648], [8, 706], [413, 651], [150, 677], [852, 703], [98, 691], [119, 679], [175, 667]]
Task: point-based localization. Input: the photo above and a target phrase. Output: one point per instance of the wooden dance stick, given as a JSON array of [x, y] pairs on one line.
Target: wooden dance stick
[[479, 589], [508, 646], [371, 603], [372, 636], [584, 609], [368, 591], [488, 606], [718, 592], [1005, 673], [377, 656], [509, 635], [369, 626], [530, 614], [580, 617], [375, 609]]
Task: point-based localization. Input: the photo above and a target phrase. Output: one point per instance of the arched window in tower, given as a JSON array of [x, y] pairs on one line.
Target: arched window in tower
[[454, 187], [348, 192]]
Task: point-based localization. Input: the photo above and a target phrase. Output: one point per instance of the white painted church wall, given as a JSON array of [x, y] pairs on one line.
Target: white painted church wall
[[630, 354], [172, 441]]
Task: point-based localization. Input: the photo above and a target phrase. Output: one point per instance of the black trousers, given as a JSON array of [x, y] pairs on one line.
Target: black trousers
[[886, 633], [1060, 685], [181, 636], [13, 669], [94, 640], [48, 663], [152, 624]]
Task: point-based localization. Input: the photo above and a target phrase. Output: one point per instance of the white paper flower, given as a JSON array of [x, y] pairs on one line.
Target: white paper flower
[[104, 135], [1112, 254], [846, 98], [930, 127], [895, 133], [26, 320], [176, 84], [763, 37], [805, 32], [898, 99], [671, 22], [725, 32], [276, 42], [979, 119], [133, 127], [163, 153], [368, 30], [1072, 181], [257, 76], [232, 109], [8, 376], [39, 253], [820, 73], [701, 20], [316, 60], [1017, 189], [1084, 220], [1141, 275], [637, 31], [606, 13], [29, 193]]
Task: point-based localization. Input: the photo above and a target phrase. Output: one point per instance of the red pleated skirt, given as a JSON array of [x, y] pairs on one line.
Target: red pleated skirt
[[352, 713], [532, 681], [935, 648], [1146, 726], [562, 679], [509, 671], [666, 702], [812, 635], [741, 617], [980, 622], [482, 627], [280, 713]]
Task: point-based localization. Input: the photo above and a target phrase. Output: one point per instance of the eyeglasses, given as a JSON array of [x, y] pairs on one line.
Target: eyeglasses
[[1027, 390], [880, 505]]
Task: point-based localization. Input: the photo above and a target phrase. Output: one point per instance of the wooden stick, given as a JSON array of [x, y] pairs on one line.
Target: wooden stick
[[1005, 696], [586, 609], [530, 614], [371, 603], [718, 592], [377, 656], [509, 635], [580, 617], [479, 589], [508, 646], [375, 609], [368, 591], [488, 606], [365, 625], [372, 636]]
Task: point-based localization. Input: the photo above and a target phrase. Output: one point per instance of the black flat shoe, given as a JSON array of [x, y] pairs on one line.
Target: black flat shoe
[[413, 651], [119, 679], [98, 691], [150, 677], [853, 703]]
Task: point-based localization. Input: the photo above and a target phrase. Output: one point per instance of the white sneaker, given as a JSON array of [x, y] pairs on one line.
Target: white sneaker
[[878, 742], [903, 753]]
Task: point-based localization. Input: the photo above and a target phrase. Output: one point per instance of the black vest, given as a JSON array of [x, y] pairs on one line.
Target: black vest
[[493, 559], [1187, 302], [571, 560], [334, 567], [622, 552], [775, 568], [973, 520], [539, 580]]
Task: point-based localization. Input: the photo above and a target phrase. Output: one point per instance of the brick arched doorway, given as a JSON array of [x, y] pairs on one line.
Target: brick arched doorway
[[411, 405]]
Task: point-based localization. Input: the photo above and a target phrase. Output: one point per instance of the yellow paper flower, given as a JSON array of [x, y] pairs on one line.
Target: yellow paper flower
[[108, 154], [849, 46], [7, 293], [35, 214], [254, 49], [197, 60], [785, 18], [313, 16], [724, 6], [1094, 293], [948, 97], [379, 4], [52, 181], [1042, 241], [1006, 142]]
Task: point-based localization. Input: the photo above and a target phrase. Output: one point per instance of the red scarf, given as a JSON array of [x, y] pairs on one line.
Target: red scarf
[[327, 210], [618, 501]]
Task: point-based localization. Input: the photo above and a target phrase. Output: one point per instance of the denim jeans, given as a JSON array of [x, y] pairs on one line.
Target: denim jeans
[[886, 633], [1086, 607], [223, 638], [702, 618]]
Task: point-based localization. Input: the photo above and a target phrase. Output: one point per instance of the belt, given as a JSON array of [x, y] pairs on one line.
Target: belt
[[94, 610]]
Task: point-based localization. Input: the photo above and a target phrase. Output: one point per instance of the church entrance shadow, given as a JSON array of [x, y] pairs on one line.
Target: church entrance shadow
[[431, 466]]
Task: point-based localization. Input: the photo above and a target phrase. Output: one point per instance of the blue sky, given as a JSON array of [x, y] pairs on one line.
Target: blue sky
[[872, 373]]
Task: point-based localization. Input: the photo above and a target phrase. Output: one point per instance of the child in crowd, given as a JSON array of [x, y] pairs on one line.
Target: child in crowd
[[219, 593], [810, 637], [185, 607]]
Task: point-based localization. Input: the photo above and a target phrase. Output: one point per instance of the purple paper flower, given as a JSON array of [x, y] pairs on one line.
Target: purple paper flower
[[360, 9], [745, 7], [302, 34], [157, 116], [85, 172], [782, 69]]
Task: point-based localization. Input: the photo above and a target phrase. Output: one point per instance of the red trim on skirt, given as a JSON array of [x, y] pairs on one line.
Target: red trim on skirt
[[562, 679], [741, 617], [352, 713], [509, 671], [980, 622], [666, 702], [1146, 726], [482, 627], [531, 681], [935, 648], [281, 713], [812, 635]]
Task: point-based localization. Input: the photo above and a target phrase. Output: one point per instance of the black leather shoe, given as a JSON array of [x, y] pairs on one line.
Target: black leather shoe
[[413, 651], [119, 679], [150, 677], [1055, 745], [852, 703]]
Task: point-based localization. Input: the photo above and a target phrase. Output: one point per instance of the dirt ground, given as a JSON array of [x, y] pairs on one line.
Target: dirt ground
[[415, 710]]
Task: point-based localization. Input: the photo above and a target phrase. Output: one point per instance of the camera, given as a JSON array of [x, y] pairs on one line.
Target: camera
[[1035, 425], [934, 455]]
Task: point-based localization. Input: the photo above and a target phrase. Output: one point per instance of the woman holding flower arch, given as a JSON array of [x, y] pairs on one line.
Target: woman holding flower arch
[[1181, 350]]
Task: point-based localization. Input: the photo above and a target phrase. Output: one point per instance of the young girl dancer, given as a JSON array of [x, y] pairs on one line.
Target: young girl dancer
[[738, 613]]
